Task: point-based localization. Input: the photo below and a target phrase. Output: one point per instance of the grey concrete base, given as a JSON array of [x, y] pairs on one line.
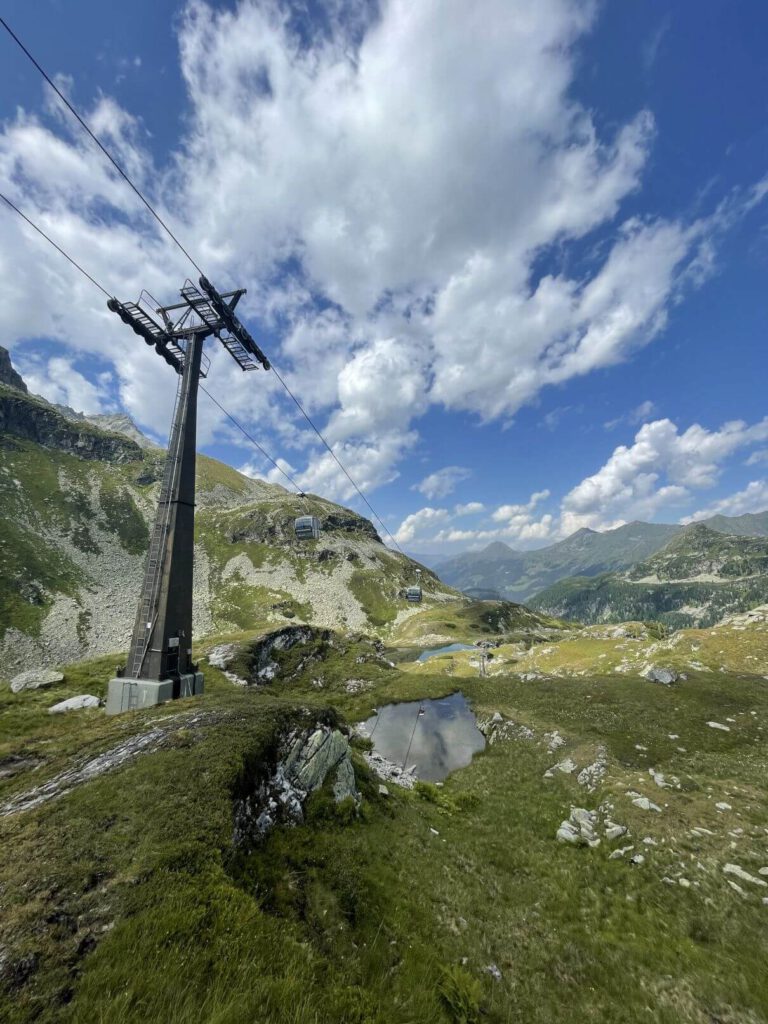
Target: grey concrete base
[[132, 694]]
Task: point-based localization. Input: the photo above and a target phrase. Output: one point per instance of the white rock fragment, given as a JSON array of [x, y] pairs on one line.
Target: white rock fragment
[[650, 841], [723, 806], [555, 741], [614, 831], [719, 725], [566, 767], [593, 774], [494, 972], [619, 853], [645, 804], [579, 828], [736, 888], [637, 859], [658, 778], [84, 700], [684, 883], [734, 869]]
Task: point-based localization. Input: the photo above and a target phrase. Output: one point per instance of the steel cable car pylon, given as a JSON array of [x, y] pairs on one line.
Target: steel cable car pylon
[[159, 666]]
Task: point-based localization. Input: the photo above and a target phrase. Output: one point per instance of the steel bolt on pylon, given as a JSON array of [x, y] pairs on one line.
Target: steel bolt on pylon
[[160, 666]]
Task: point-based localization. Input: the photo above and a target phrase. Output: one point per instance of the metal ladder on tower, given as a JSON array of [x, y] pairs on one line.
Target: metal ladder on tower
[[156, 554]]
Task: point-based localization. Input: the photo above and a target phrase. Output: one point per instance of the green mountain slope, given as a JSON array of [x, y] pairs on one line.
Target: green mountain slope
[[78, 502], [518, 575], [699, 577], [751, 524]]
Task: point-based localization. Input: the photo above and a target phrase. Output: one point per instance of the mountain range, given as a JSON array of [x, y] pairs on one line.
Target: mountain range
[[521, 575], [697, 579]]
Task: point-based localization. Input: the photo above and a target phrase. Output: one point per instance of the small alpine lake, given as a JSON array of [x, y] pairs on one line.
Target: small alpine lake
[[435, 737], [449, 649]]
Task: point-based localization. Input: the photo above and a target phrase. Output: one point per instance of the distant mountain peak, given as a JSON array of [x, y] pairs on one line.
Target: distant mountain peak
[[497, 547], [121, 423]]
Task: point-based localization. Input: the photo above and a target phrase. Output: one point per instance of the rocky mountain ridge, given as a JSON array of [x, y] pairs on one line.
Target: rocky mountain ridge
[[701, 576]]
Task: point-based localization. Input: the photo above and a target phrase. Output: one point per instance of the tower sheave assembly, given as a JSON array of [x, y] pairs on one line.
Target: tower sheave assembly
[[160, 666]]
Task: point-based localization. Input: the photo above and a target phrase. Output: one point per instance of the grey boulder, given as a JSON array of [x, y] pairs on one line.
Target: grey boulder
[[35, 679], [659, 674]]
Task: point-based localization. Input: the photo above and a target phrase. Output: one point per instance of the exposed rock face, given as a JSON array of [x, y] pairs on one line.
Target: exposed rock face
[[35, 679], [36, 420], [305, 760], [84, 772], [8, 375], [261, 663], [277, 528], [120, 423]]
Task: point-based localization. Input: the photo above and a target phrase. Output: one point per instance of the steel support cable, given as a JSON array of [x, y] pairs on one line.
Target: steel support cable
[[58, 248], [253, 441], [101, 288], [171, 235], [95, 138], [333, 454]]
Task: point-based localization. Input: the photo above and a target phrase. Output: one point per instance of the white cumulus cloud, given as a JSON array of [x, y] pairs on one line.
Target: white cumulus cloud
[[661, 468], [753, 498], [387, 205], [442, 482]]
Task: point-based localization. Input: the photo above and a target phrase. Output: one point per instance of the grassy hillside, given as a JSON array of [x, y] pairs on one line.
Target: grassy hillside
[[699, 577], [125, 900], [465, 622]]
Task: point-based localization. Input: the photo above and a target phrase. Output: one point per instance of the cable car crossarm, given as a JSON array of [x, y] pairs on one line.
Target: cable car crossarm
[[152, 333], [226, 313]]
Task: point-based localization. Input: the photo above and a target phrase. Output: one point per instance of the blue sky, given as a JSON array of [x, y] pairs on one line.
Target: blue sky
[[512, 257]]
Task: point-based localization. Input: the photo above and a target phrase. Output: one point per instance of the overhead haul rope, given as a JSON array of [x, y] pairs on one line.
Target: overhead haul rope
[[123, 174], [101, 288], [98, 142]]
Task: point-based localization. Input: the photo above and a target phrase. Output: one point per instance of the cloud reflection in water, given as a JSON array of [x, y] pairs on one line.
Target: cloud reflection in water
[[445, 738]]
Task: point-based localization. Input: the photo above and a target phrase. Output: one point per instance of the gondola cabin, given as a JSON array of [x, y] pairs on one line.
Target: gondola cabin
[[413, 594], [307, 528]]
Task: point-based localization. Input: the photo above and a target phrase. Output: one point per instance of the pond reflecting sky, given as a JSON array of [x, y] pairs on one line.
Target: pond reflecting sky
[[445, 737]]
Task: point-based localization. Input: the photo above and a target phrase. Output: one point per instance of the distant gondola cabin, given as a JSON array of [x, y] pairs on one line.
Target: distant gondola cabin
[[307, 528], [413, 594]]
